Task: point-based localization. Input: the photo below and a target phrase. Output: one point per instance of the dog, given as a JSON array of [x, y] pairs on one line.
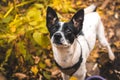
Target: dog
[[73, 41]]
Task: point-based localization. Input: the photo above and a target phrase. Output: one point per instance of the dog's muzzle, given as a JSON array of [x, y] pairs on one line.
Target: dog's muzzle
[[57, 39]]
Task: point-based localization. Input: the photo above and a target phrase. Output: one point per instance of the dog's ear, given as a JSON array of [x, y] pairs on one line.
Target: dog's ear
[[77, 20], [51, 17]]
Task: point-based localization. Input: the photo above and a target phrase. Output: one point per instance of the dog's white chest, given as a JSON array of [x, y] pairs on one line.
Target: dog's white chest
[[67, 57]]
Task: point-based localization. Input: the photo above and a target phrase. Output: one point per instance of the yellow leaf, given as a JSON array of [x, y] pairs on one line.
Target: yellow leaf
[[73, 78], [79, 2], [41, 39], [13, 29], [42, 65], [34, 69], [33, 14], [117, 44], [48, 63], [8, 53]]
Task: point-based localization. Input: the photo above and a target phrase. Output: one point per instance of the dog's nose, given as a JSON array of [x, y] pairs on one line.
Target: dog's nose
[[57, 36]]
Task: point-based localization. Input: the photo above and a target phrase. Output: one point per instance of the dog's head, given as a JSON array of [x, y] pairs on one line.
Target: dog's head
[[63, 33]]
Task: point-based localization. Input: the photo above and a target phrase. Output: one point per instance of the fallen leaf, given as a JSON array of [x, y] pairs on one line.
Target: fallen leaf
[[73, 78], [34, 69], [20, 75], [37, 59], [48, 63]]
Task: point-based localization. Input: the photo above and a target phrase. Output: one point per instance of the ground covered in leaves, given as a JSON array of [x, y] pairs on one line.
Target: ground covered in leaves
[[25, 50]]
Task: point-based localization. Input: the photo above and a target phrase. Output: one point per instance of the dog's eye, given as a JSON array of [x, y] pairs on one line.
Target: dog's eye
[[68, 31]]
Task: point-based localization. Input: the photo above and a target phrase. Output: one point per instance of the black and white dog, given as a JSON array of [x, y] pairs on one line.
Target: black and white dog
[[73, 41]]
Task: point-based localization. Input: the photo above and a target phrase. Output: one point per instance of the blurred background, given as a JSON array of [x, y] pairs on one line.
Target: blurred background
[[25, 49]]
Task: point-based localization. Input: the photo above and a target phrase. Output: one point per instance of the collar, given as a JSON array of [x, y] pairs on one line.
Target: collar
[[72, 69]]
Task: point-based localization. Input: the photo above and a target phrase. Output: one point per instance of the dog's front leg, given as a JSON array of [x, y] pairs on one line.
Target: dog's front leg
[[65, 77], [80, 74], [82, 77]]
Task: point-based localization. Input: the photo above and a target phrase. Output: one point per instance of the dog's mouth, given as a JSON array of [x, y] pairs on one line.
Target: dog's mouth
[[59, 44], [63, 46]]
